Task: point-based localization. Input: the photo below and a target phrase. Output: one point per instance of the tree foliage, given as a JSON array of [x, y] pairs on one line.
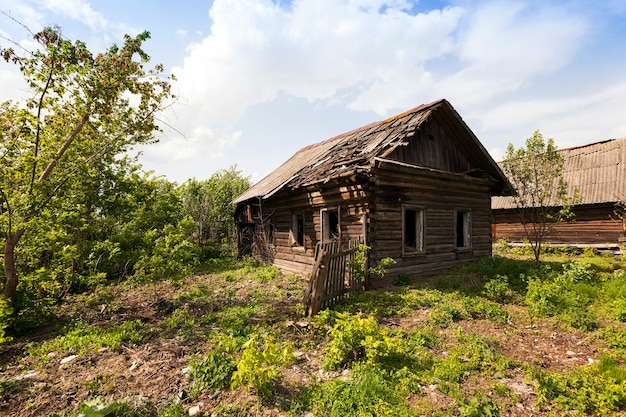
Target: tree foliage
[[539, 190], [85, 111], [209, 203]]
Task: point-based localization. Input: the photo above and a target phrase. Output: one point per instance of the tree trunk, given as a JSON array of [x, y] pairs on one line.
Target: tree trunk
[[10, 271]]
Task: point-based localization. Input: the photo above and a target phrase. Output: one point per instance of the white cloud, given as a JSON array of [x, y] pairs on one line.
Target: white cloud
[[79, 10], [504, 45], [317, 50]]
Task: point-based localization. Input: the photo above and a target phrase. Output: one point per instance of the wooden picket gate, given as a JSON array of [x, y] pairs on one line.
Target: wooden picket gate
[[332, 277]]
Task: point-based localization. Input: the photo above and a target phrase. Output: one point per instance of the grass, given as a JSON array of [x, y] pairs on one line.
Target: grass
[[498, 336]]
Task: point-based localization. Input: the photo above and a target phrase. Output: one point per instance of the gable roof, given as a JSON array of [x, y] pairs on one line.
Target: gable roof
[[355, 151], [598, 170]]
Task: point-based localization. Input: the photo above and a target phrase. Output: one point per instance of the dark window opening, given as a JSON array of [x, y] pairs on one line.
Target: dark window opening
[[413, 233], [463, 229], [330, 224], [297, 229]]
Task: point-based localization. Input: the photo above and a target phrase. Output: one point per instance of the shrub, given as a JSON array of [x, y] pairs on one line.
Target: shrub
[[580, 318], [576, 272], [347, 336], [260, 365], [498, 289], [544, 298]]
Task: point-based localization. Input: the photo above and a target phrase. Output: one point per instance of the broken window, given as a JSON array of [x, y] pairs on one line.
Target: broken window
[[330, 224], [412, 230], [463, 229], [296, 234]]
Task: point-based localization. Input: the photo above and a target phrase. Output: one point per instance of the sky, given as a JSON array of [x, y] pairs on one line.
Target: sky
[[259, 79]]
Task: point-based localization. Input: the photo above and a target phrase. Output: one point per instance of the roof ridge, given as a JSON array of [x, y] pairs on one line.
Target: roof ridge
[[419, 108]]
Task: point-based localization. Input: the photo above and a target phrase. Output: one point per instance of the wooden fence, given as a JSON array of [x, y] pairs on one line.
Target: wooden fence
[[332, 277]]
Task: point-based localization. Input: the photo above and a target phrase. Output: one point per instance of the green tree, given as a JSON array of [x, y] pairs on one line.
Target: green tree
[[209, 203], [539, 190], [83, 112]]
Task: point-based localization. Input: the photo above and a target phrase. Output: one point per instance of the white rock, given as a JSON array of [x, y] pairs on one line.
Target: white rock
[[68, 359], [28, 375]]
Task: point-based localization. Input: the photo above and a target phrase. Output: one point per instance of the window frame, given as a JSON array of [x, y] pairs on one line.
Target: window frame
[[465, 232], [420, 230], [294, 232], [324, 223]]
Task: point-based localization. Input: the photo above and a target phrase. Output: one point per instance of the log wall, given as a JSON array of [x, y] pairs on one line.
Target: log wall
[[349, 199], [439, 197], [593, 225]]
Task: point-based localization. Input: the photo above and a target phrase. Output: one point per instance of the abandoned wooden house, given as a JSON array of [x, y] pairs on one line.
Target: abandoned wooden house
[[598, 171], [416, 187]]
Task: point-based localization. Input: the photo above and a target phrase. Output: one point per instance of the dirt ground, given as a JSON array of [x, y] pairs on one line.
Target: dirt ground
[[156, 371]]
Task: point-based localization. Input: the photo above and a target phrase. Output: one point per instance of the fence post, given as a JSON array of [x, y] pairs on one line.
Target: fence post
[[319, 285]]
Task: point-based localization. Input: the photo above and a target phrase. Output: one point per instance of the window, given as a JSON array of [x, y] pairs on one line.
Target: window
[[463, 229], [412, 230], [330, 224], [296, 234]]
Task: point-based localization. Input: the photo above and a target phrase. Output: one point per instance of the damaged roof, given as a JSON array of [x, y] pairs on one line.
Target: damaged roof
[[598, 170], [354, 152]]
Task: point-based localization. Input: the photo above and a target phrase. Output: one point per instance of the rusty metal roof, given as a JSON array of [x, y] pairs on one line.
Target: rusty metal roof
[[354, 152], [598, 170]]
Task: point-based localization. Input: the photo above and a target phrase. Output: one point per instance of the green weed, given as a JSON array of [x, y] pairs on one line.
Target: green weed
[[498, 289], [84, 338], [368, 392], [479, 405], [596, 390], [213, 371], [402, 280], [259, 366], [348, 332]]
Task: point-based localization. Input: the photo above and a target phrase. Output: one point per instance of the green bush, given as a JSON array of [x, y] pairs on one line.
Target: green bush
[[347, 335], [213, 371], [498, 289], [576, 272], [544, 298], [580, 318], [259, 366]]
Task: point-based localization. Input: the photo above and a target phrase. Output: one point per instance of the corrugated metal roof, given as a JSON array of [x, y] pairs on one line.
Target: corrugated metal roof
[[354, 151], [598, 170]]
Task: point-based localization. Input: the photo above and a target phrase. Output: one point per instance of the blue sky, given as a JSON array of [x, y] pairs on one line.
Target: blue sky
[[259, 79]]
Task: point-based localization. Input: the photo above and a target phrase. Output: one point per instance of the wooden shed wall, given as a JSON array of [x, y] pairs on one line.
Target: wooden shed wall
[[594, 225], [439, 197]]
